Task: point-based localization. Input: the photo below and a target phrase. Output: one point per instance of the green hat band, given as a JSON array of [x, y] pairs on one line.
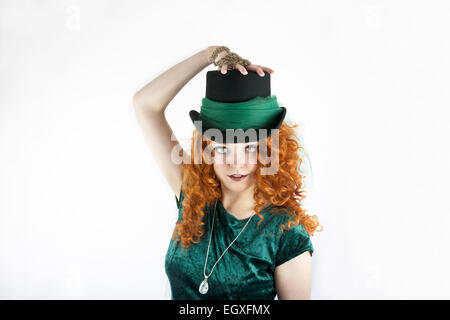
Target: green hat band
[[257, 113]]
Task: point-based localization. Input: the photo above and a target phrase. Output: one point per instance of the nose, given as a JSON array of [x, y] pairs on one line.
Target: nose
[[239, 157]]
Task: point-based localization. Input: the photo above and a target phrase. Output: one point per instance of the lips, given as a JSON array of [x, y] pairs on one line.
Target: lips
[[238, 177]]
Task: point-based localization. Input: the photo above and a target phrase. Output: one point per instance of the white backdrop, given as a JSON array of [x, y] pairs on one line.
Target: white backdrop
[[85, 212]]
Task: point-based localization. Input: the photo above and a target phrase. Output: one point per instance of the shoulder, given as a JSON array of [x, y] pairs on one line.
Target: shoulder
[[291, 242], [277, 215], [274, 218]]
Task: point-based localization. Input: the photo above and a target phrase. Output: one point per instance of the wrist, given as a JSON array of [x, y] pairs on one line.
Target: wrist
[[208, 52]]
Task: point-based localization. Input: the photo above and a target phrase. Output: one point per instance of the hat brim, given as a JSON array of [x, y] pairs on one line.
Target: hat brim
[[196, 117]]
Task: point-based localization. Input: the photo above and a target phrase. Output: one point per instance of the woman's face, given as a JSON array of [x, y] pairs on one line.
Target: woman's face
[[235, 159]]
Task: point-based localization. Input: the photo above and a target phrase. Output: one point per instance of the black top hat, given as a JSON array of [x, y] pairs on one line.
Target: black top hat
[[233, 88]]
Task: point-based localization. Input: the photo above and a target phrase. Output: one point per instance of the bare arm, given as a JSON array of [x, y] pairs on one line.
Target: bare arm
[[157, 94], [150, 103], [293, 278]]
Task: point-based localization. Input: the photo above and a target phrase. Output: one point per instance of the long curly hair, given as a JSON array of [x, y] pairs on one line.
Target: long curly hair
[[284, 189]]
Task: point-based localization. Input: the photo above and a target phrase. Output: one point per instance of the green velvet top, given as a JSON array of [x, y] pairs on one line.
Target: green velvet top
[[246, 270]]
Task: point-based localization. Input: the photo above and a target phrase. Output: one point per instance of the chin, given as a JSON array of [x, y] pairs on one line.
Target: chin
[[236, 188]]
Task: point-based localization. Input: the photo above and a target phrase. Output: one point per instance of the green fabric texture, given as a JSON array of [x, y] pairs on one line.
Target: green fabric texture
[[257, 113], [246, 270]]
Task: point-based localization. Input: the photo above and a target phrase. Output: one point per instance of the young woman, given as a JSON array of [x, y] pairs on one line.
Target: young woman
[[219, 249]]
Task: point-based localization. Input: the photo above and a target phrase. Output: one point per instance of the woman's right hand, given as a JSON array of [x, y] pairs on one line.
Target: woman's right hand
[[252, 67]]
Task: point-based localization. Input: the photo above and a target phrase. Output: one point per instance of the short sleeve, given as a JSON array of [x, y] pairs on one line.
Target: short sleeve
[[293, 242]]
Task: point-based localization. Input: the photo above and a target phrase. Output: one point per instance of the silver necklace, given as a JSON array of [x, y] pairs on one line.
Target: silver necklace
[[204, 285]]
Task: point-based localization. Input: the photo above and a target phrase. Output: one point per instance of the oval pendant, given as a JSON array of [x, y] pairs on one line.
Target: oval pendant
[[203, 286]]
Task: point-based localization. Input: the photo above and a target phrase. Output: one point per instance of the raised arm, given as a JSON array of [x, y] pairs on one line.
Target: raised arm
[[151, 101]]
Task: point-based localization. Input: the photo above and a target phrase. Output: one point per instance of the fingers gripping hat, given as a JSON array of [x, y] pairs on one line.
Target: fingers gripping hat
[[238, 108]]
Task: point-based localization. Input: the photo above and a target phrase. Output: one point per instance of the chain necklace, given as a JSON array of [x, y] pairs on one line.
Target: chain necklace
[[203, 289]]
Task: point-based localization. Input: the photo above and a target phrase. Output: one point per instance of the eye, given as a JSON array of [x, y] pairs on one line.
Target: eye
[[220, 150], [252, 148]]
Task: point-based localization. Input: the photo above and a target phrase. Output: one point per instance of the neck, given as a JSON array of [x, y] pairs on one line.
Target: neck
[[239, 204]]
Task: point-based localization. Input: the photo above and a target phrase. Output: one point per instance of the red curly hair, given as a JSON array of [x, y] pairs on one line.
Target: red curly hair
[[202, 188]]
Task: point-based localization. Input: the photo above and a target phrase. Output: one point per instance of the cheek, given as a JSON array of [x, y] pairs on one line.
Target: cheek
[[218, 169], [253, 169], [219, 159]]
